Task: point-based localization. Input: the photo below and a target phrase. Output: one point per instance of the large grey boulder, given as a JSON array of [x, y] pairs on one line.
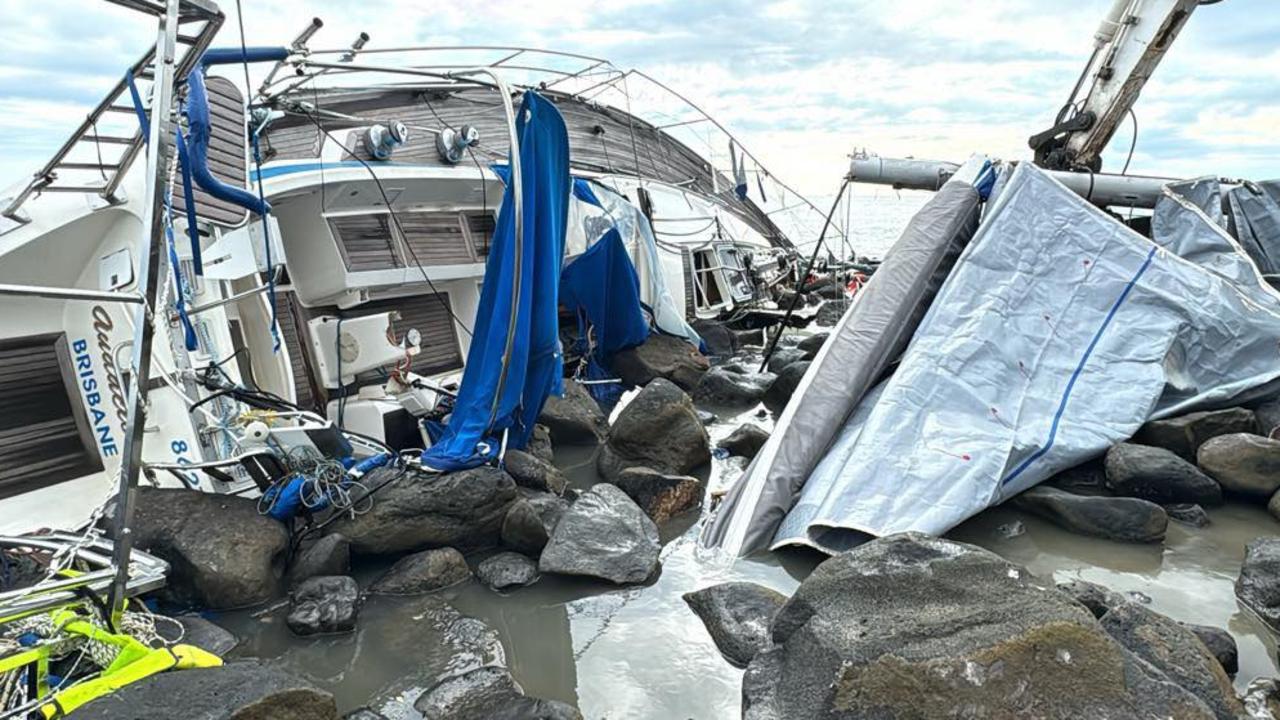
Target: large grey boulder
[[737, 614], [1114, 518], [784, 386], [574, 418], [1177, 652], [660, 496], [1087, 478], [830, 312], [732, 386], [1188, 514], [1258, 586], [530, 521], [1158, 475], [329, 555], [658, 429], [235, 691], [1262, 699], [324, 605], [604, 534], [1185, 434], [1096, 598], [222, 552], [1220, 643], [423, 572], [812, 344], [507, 570], [1244, 464], [784, 356], [746, 441], [716, 338], [488, 693], [423, 510], [540, 445], [534, 473], [661, 356], [911, 626]]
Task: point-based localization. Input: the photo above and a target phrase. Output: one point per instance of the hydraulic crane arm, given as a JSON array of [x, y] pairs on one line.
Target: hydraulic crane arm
[[1128, 46]]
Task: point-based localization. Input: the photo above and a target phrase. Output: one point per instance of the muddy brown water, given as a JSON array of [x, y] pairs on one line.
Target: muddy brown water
[[638, 652]]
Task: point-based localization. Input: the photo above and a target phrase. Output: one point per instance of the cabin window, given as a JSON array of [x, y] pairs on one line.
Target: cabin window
[[705, 283], [45, 435], [366, 241], [740, 286]]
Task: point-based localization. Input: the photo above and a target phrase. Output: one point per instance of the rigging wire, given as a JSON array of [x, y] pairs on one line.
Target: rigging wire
[[1133, 142]]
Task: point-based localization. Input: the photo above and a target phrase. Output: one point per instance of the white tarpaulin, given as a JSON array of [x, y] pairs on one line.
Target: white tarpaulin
[[1058, 333]]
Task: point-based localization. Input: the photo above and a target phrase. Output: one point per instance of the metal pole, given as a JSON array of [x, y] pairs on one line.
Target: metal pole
[[152, 246]]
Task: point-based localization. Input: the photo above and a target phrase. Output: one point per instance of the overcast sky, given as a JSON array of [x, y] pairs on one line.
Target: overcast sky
[[801, 82]]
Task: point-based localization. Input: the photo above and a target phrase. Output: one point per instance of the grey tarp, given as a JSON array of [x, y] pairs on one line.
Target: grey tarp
[[1255, 220], [870, 336], [1059, 332]]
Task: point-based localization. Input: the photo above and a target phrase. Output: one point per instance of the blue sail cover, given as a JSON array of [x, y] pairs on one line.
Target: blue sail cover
[[519, 293], [602, 289]]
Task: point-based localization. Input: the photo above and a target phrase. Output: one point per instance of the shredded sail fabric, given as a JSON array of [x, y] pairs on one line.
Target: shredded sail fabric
[[514, 362]]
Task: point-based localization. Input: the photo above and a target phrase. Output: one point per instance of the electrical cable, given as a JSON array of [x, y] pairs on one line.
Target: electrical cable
[[1133, 143]]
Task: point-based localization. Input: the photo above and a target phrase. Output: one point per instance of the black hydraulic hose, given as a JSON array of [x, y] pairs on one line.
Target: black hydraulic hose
[[795, 298]]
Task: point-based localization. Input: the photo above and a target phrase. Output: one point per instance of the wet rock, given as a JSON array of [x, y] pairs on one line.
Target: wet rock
[[507, 570], [783, 357], [718, 339], [422, 510], [539, 444], [364, 713], [574, 418], [324, 605], [830, 312], [1262, 699], [1258, 585], [1096, 598], [748, 338], [658, 429], [1177, 652], [1087, 478], [530, 521], [1188, 513], [605, 535], [487, 693], [727, 386], [1244, 464], [911, 626], [534, 473], [1185, 434], [812, 344], [423, 572], [222, 552], [784, 386], [1220, 644], [330, 555], [661, 356], [1273, 505], [737, 614], [660, 496], [204, 634], [1158, 475], [746, 441], [707, 418], [1268, 415], [235, 691], [1122, 518]]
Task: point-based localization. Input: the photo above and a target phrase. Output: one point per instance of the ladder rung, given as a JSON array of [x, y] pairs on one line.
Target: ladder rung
[[188, 39], [110, 139], [86, 166], [121, 109]]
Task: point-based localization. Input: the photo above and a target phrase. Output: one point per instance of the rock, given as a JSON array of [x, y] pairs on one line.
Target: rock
[[204, 634], [1262, 699], [1087, 478], [812, 344], [745, 338], [1244, 464], [746, 441], [1188, 513], [1122, 518], [507, 570], [784, 386], [783, 357], [235, 691], [706, 418], [830, 312], [1273, 505], [540, 444], [1177, 652], [718, 339], [1267, 413], [324, 605], [1220, 643], [423, 572], [330, 555], [660, 496], [530, 521], [574, 418], [222, 552], [1158, 475], [606, 535], [1185, 434], [737, 614], [1258, 586], [487, 693], [1096, 598], [423, 510], [364, 713], [658, 429], [661, 356], [910, 626], [725, 386], [534, 473]]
